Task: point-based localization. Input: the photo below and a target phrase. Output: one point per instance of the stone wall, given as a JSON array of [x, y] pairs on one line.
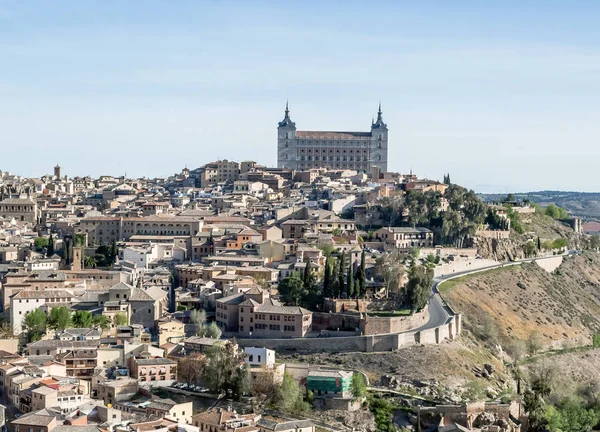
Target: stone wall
[[373, 325], [445, 251], [328, 344], [462, 264], [344, 305], [335, 321], [495, 234]]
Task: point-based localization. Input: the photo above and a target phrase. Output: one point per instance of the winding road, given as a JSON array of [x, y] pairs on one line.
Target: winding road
[[440, 313]]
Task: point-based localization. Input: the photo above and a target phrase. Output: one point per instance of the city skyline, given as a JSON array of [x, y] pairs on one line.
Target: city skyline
[[500, 96]]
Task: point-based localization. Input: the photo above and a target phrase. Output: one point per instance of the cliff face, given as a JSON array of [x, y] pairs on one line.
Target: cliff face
[[500, 249], [534, 226]]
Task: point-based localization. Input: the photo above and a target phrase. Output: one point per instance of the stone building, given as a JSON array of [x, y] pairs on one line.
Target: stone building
[[405, 238], [21, 209], [254, 313], [360, 151]]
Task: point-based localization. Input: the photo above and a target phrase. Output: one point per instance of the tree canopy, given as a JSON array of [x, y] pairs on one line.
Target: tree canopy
[[292, 290], [34, 324], [59, 318], [418, 288]]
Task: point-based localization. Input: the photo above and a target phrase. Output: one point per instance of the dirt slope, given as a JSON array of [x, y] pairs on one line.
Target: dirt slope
[[516, 301]]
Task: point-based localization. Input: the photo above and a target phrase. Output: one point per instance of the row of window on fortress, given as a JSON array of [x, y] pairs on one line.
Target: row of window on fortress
[[350, 158]]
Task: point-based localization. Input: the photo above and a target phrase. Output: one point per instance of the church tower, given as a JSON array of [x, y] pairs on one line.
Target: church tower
[[286, 141], [379, 142]]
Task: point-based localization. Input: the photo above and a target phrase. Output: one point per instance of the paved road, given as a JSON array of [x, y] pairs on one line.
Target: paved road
[[439, 312]]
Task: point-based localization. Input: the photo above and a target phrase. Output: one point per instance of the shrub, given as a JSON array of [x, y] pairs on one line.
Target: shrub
[[596, 340]]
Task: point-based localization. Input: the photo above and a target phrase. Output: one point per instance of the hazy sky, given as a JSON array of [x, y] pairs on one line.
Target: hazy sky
[[504, 95]]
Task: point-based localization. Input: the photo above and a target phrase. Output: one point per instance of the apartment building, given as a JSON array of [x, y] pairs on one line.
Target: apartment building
[[105, 229], [405, 238], [153, 369]]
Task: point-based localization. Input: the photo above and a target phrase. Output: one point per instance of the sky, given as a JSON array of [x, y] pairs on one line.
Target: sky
[[503, 95]]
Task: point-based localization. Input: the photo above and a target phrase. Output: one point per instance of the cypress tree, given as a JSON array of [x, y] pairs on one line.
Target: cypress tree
[[363, 275], [50, 248], [341, 275], [114, 251], [350, 282], [335, 280], [327, 278], [539, 244], [306, 276], [356, 288]]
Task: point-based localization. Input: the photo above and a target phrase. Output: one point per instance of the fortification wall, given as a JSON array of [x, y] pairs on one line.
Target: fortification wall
[[374, 325], [334, 321], [462, 264]]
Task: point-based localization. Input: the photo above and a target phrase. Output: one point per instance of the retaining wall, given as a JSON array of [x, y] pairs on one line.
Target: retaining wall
[[461, 265], [369, 343], [373, 325], [550, 264]]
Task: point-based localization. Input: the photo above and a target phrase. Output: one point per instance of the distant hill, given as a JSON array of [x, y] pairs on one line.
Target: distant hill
[[583, 204]]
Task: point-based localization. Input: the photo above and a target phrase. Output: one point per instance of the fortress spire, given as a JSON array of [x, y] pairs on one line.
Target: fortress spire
[[287, 122], [379, 124]]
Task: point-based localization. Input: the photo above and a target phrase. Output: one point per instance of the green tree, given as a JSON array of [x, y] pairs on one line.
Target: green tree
[[40, 243], [120, 319], [82, 319], [341, 276], [90, 262], [350, 282], [79, 240], [356, 286], [198, 318], [552, 211], [212, 331], [420, 279], [101, 321], [327, 278], [530, 249], [292, 290], [390, 268], [224, 371], [59, 318], [67, 252], [34, 324], [571, 417], [312, 293], [362, 279], [358, 387], [289, 397], [539, 244], [560, 243], [114, 252], [50, 247]]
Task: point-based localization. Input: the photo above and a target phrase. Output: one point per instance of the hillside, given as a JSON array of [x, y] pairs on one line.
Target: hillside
[[534, 226], [514, 302], [583, 204]]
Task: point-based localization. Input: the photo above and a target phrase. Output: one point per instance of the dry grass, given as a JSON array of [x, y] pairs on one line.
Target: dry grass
[[520, 300]]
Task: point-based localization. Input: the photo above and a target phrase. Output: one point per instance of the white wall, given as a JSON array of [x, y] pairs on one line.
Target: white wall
[[260, 357]]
